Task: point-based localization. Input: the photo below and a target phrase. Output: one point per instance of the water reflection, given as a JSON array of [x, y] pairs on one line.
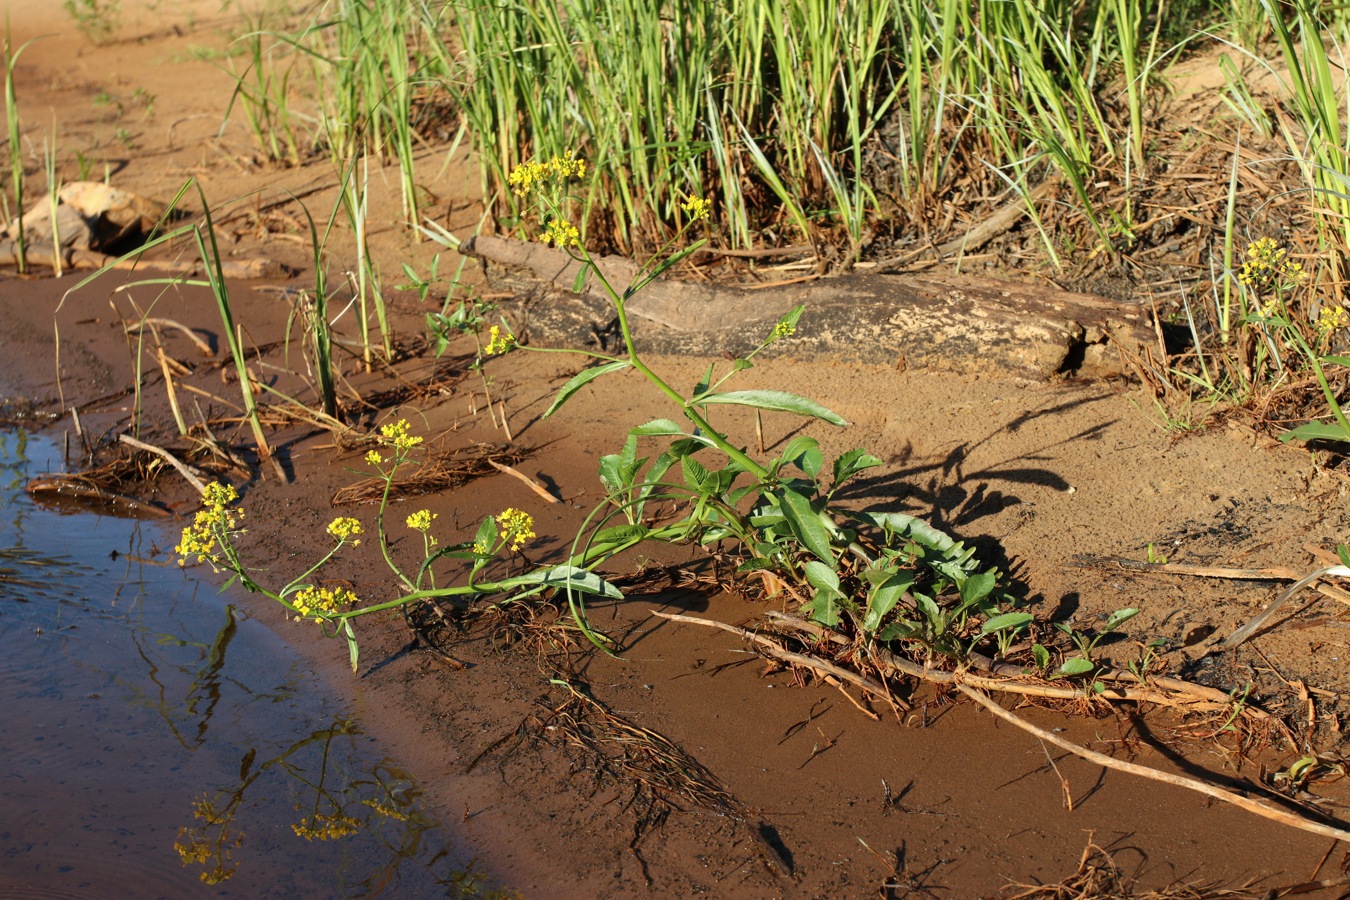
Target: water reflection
[[143, 719]]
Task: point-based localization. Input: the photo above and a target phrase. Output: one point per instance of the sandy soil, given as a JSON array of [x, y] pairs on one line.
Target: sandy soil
[[1049, 480]]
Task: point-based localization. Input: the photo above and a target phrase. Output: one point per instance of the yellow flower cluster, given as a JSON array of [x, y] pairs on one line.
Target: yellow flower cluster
[[498, 342], [783, 329], [421, 520], [388, 810], [1332, 318], [516, 526], [561, 233], [326, 828], [526, 176], [396, 435], [1268, 265], [697, 208], [191, 850], [344, 528], [214, 522], [374, 458], [320, 602]]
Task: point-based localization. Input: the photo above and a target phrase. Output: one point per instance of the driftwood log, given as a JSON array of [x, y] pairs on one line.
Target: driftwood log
[[902, 321]]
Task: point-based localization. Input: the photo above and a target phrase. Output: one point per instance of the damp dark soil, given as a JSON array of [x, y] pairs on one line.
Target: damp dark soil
[[685, 764]]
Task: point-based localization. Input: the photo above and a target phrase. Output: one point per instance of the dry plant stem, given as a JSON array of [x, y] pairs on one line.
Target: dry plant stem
[[186, 471], [200, 344], [525, 479], [169, 389], [796, 659], [1209, 790], [1011, 679], [1246, 631]]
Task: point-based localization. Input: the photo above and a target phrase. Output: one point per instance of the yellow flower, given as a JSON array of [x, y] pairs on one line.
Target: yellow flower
[[697, 208], [561, 233], [214, 523], [326, 828], [344, 527], [480, 548], [321, 602], [374, 458], [784, 329], [516, 526], [421, 520], [525, 177], [1332, 318], [498, 342], [396, 435], [1268, 266]]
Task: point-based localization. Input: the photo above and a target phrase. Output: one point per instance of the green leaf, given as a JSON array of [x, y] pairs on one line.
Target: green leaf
[[824, 607], [579, 283], [884, 597], [977, 587], [564, 577], [896, 630], [805, 523], [657, 428], [581, 379], [804, 453], [702, 386], [1042, 656], [1118, 618], [353, 651], [1338, 360], [851, 463], [487, 533], [620, 534], [776, 401], [821, 576], [617, 470], [1316, 431], [932, 612], [696, 475], [916, 529], [1077, 665], [1012, 620]]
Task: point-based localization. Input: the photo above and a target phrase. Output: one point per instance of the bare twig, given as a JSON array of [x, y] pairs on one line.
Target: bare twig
[[186, 471], [1261, 809], [796, 659], [528, 481]]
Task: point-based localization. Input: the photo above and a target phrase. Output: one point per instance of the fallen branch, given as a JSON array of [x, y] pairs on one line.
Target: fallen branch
[[1192, 784], [521, 476], [1012, 679], [1246, 631], [797, 659], [186, 471]]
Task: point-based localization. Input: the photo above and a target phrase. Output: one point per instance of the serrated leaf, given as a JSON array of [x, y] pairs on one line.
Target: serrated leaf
[[1012, 620], [805, 523], [581, 379], [696, 475], [775, 401]]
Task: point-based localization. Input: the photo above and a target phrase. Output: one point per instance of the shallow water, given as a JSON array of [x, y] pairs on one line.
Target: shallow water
[[152, 734]]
